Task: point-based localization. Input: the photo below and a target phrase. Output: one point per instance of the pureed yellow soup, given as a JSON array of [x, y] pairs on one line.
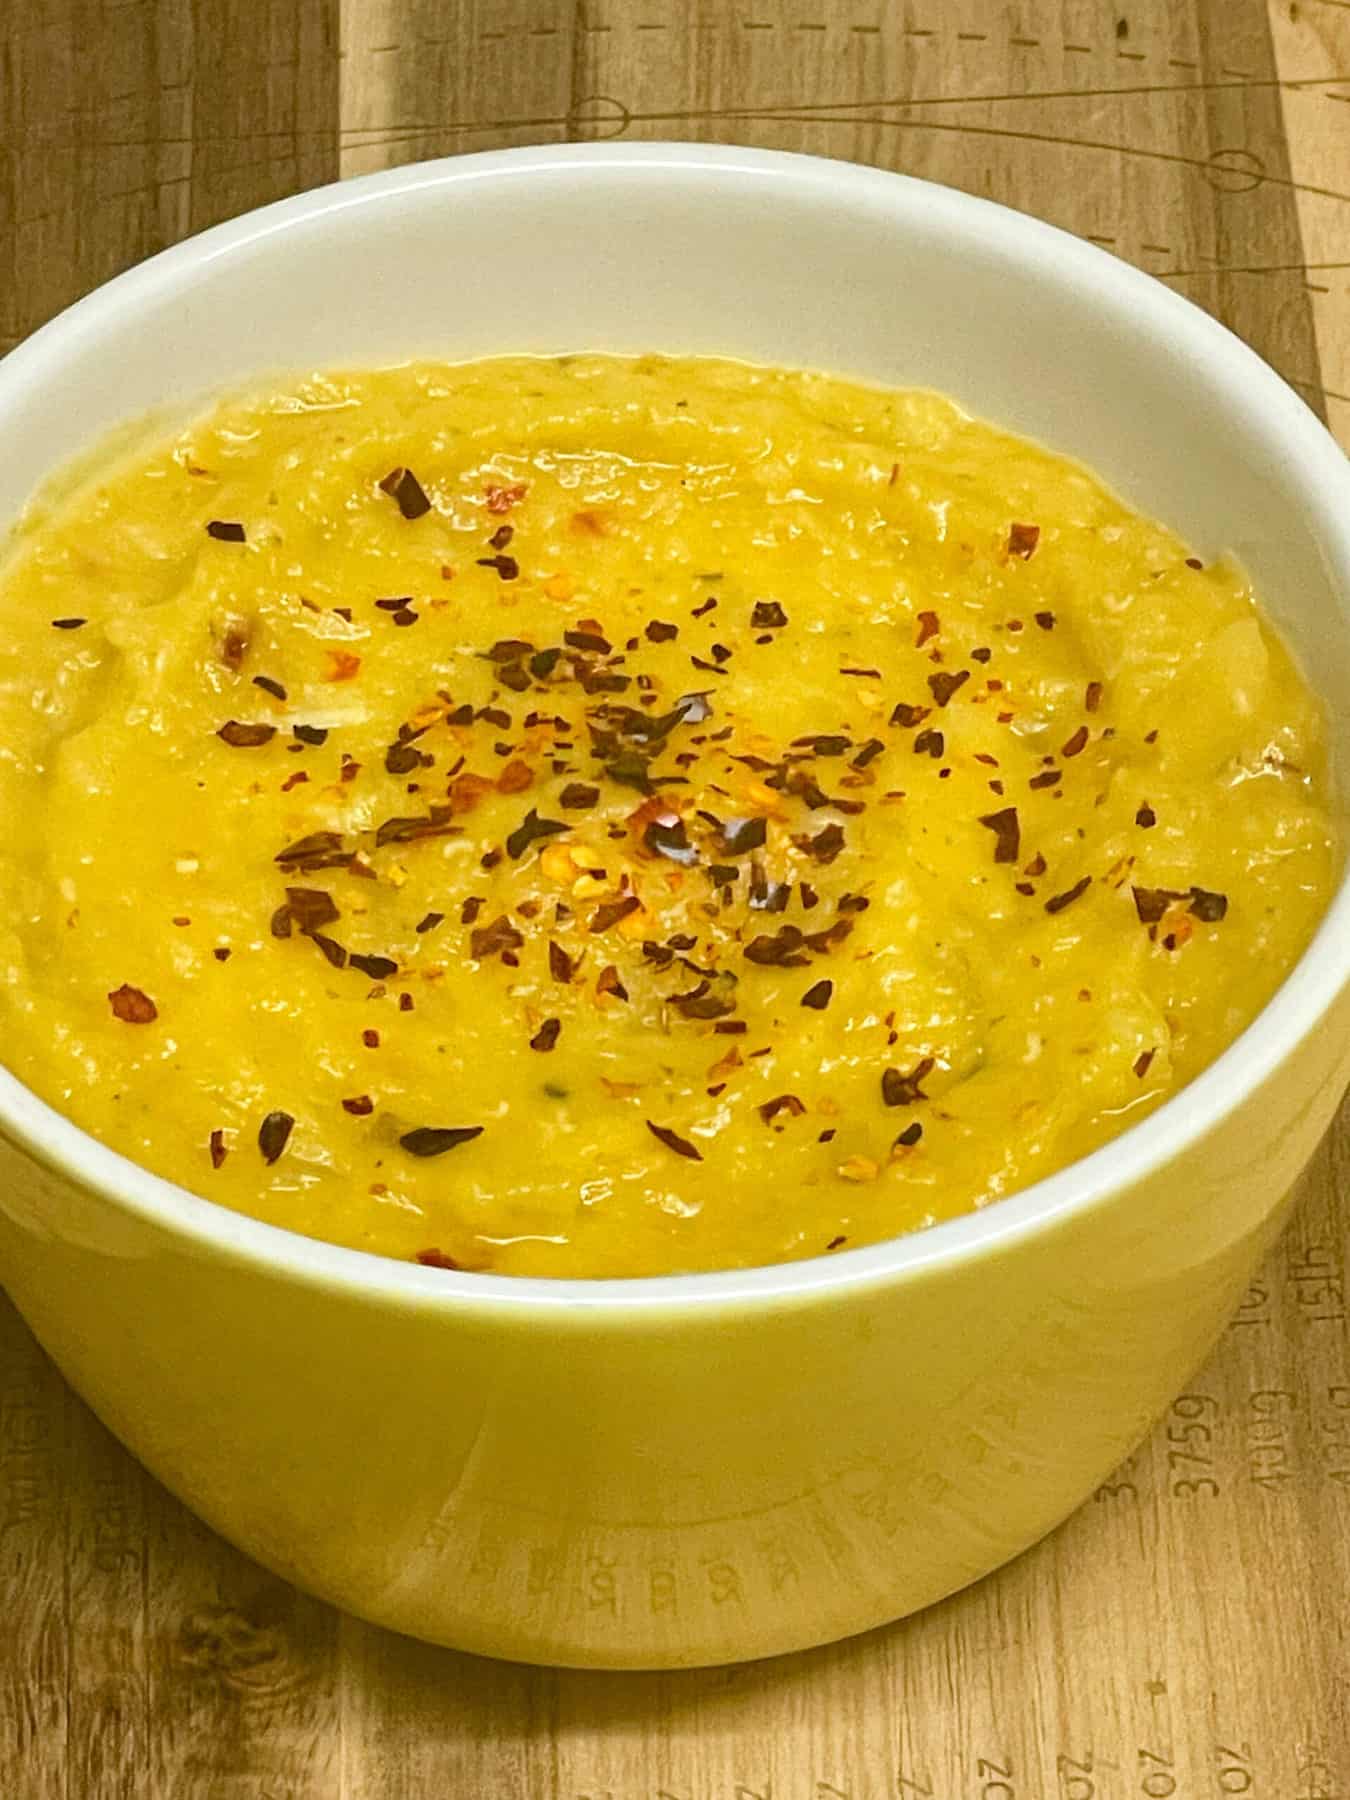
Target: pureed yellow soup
[[596, 817]]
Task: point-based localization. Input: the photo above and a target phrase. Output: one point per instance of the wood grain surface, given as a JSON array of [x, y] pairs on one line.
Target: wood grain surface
[[1186, 1633]]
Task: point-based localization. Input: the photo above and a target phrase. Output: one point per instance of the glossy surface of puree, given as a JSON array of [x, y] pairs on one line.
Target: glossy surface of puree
[[593, 817]]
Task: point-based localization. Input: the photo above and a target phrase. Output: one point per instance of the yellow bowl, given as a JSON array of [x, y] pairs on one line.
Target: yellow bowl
[[692, 1469]]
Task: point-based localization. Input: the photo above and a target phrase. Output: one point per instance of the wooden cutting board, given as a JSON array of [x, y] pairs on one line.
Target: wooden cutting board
[[1186, 1633]]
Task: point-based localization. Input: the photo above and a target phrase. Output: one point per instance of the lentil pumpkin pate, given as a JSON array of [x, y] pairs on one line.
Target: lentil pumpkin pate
[[607, 817]]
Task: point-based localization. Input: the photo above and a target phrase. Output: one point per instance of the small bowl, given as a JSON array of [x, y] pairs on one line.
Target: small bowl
[[693, 1468]]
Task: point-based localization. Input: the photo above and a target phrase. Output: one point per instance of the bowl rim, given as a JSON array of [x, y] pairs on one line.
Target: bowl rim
[[1093, 275]]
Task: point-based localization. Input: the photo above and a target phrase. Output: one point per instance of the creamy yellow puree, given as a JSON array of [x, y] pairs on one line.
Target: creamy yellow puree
[[604, 817]]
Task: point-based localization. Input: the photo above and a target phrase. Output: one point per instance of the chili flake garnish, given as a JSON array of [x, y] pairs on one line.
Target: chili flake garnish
[[226, 531], [1092, 698], [673, 1141], [910, 1136], [1007, 833], [1076, 744], [547, 1035], [494, 939], [818, 995], [1058, 902], [900, 1089], [788, 1103], [131, 1006], [610, 912], [502, 499], [1143, 1062], [245, 737], [658, 631], [909, 716], [767, 615], [435, 1140], [68, 624], [578, 795], [529, 831], [506, 566], [216, 1146], [560, 964], [929, 626], [943, 685], [1146, 817], [274, 1134], [1209, 908], [406, 490], [1022, 540]]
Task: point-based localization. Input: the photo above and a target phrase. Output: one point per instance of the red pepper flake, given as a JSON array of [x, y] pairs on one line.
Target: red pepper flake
[[404, 487], [982, 655], [359, 1106], [931, 741], [609, 982], [738, 837], [405, 1003], [501, 537], [309, 734], [942, 685], [370, 1038], [268, 686], [132, 1007], [560, 964], [68, 624], [379, 968], [506, 566], [343, 665], [241, 736], [293, 781], [226, 531], [222, 953], [530, 830], [467, 913], [1007, 831], [311, 908], [502, 499], [1076, 744], [1046, 620], [1058, 902], [900, 1089], [547, 1035], [1143, 1062], [767, 615], [610, 912], [1146, 817], [909, 716], [788, 1103], [929, 626], [673, 1141], [824, 846], [218, 1151], [435, 1140], [1046, 779], [1194, 562], [274, 1134], [334, 951], [1092, 699], [781, 949], [658, 631], [818, 995], [909, 1136], [515, 777], [578, 795], [1209, 908], [867, 753], [491, 940], [1151, 737], [1022, 540], [435, 1259]]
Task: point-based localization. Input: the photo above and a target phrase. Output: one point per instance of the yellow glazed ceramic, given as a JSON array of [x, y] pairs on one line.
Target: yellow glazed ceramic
[[713, 1466], [733, 815]]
